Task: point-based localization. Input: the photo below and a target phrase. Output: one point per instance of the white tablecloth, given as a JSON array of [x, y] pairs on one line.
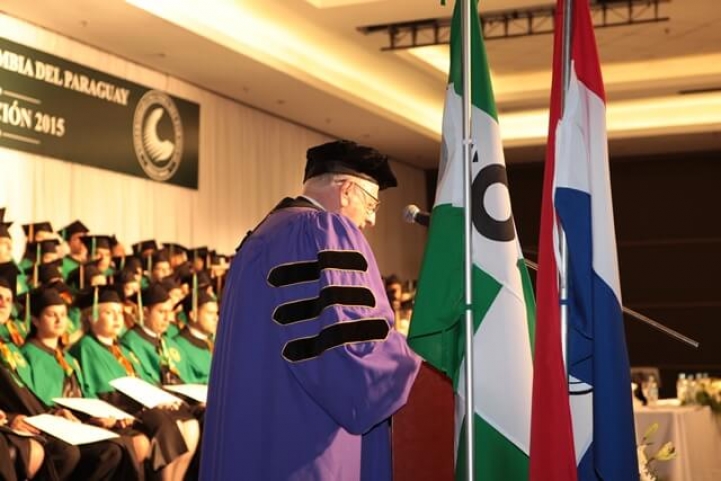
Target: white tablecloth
[[696, 434]]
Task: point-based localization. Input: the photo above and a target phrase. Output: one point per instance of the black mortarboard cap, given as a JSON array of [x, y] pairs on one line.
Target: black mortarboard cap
[[105, 294], [49, 272], [93, 242], [36, 227], [124, 276], [392, 279], [203, 298], [199, 252], [43, 297], [142, 246], [174, 249], [155, 293], [5, 229], [184, 273], [347, 157], [130, 263], [217, 259], [9, 272], [46, 247], [81, 277], [73, 228], [160, 256], [170, 283]]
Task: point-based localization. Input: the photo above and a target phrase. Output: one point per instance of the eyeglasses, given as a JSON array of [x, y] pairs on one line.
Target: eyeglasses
[[374, 205]]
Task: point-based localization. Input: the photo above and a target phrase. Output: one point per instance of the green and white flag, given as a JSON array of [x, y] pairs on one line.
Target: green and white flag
[[503, 305]]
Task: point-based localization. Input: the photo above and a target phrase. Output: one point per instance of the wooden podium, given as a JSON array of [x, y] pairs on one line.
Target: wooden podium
[[422, 431]]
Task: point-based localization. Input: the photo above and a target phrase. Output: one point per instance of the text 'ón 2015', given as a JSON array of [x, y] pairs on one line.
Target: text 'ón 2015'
[[25, 118]]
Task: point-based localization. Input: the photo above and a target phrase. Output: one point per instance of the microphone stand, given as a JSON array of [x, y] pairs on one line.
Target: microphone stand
[[646, 320]]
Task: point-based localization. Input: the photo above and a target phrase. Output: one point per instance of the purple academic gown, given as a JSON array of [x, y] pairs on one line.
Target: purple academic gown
[[307, 368]]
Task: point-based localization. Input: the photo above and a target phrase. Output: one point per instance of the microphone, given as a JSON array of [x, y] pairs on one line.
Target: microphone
[[413, 214]]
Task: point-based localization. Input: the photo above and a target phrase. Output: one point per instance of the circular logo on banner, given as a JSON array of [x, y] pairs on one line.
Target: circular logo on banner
[[158, 135]]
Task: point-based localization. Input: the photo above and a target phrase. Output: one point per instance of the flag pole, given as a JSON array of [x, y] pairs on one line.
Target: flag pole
[[563, 245], [467, 245]]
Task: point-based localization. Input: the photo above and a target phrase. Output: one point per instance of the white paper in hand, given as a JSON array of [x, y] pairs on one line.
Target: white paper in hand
[[96, 408], [196, 392], [144, 392], [69, 431]]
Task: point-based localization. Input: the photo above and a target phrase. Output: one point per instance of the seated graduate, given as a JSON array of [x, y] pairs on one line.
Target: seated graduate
[[35, 250], [127, 283], [11, 272], [144, 251], [55, 373], [100, 250], [11, 330], [177, 254], [159, 266], [174, 434], [77, 252], [199, 257], [62, 461], [86, 276], [159, 356], [175, 291], [196, 339], [49, 275], [20, 456]]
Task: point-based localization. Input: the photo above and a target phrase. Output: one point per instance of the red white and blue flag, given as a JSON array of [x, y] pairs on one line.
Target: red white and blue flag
[[582, 425]]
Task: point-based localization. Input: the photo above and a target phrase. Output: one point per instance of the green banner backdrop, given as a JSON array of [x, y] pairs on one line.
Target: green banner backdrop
[[61, 109]]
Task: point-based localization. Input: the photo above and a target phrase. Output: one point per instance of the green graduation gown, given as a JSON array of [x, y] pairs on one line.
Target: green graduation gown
[[49, 379], [160, 357], [197, 355], [14, 331]]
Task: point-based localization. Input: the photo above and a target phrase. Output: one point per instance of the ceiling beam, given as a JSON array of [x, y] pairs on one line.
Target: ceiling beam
[[516, 23]]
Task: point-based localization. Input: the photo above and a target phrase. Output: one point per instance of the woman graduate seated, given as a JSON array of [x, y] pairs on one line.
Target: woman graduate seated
[[56, 374], [97, 461], [174, 434]]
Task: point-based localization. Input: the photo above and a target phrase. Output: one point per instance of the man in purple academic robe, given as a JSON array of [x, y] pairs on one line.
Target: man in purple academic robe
[[307, 367]]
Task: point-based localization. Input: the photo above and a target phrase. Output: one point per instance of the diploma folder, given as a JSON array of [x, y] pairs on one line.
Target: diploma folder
[[71, 432], [143, 392], [96, 408]]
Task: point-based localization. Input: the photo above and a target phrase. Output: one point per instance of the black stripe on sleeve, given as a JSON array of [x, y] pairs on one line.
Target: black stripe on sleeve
[[307, 271], [342, 260], [305, 309], [295, 273], [334, 336]]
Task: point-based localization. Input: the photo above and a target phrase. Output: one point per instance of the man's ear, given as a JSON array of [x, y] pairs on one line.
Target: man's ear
[[344, 192]]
